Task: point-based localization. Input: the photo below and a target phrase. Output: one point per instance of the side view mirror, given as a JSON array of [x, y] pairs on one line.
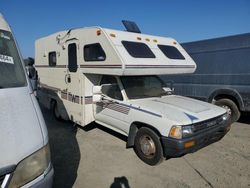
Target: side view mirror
[[105, 91], [97, 90], [168, 90], [29, 61], [169, 86], [97, 98], [97, 94]]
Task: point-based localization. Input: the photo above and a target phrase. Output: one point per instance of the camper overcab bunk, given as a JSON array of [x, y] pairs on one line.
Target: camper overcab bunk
[[110, 77]]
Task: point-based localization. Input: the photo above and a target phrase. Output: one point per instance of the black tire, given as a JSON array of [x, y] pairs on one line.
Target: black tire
[[231, 108], [56, 113], [153, 157]]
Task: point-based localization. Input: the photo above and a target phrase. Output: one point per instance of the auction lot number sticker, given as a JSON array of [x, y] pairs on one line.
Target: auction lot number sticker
[[6, 59]]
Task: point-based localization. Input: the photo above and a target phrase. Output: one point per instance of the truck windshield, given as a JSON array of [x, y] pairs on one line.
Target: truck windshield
[[11, 70], [143, 86]]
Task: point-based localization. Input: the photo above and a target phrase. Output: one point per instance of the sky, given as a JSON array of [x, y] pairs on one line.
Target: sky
[[184, 20]]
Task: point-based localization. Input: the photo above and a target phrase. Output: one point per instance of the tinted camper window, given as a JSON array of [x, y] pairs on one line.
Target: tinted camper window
[[171, 52], [52, 59], [138, 49], [94, 52], [72, 58]]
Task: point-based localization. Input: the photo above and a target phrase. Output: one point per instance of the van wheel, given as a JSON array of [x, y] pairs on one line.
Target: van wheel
[[55, 110], [231, 108], [148, 147]]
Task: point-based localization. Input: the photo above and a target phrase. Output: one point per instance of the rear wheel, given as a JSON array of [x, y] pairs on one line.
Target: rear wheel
[[55, 110], [148, 146], [231, 108]]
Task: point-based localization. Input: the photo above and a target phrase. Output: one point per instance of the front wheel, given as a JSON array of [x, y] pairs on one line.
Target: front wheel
[[148, 146]]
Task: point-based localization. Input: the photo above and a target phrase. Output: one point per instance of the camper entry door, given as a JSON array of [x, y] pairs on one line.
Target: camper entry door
[[74, 83]]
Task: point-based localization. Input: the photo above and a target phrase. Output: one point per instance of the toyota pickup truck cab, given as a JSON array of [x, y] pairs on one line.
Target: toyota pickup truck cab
[[24, 149], [111, 77]]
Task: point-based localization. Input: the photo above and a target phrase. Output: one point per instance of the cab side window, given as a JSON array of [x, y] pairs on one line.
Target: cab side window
[[113, 91]]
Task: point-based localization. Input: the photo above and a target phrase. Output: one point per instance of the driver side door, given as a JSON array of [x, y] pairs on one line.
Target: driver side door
[[112, 112]]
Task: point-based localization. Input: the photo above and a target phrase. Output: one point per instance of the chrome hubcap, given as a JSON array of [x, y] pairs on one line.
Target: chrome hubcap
[[147, 146]]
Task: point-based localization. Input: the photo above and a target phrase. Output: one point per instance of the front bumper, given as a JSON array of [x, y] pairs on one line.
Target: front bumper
[[176, 147]]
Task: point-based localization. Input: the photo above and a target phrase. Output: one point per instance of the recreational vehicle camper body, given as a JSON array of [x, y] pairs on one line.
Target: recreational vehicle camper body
[[24, 148], [110, 77]]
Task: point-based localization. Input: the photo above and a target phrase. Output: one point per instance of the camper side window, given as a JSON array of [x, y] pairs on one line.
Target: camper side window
[[171, 52], [113, 91], [52, 59], [94, 52], [138, 49]]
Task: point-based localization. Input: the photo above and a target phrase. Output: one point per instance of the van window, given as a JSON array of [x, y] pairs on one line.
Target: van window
[[171, 52], [114, 91], [72, 58], [138, 49], [11, 69], [52, 59], [94, 52]]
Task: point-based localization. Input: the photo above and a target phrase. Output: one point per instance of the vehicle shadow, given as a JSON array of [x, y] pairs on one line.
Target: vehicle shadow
[[120, 182], [65, 152], [245, 118]]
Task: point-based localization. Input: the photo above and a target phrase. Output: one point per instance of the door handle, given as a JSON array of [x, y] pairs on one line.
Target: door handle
[[67, 78]]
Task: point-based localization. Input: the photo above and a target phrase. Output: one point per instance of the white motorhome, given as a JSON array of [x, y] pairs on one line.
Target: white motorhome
[[110, 77], [24, 149]]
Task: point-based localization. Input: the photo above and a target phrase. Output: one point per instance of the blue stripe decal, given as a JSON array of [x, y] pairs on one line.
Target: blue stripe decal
[[139, 109], [192, 118]]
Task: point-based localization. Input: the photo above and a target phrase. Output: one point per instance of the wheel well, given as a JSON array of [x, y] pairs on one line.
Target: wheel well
[[134, 127], [224, 96]]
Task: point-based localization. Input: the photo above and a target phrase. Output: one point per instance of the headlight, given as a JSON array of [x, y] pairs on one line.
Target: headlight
[[179, 132], [225, 117], [31, 167], [187, 130], [176, 132]]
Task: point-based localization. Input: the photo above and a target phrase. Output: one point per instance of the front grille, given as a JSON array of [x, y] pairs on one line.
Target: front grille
[[207, 124], [1, 179]]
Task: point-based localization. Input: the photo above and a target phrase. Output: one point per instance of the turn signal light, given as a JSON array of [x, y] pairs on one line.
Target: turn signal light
[[98, 32], [189, 144], [176, 132]]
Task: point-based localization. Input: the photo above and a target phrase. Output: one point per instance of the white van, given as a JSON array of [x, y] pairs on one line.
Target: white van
[[24, 149], [110, 77]]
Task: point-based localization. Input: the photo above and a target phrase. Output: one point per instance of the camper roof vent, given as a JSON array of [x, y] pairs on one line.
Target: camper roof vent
[[131, 26]]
